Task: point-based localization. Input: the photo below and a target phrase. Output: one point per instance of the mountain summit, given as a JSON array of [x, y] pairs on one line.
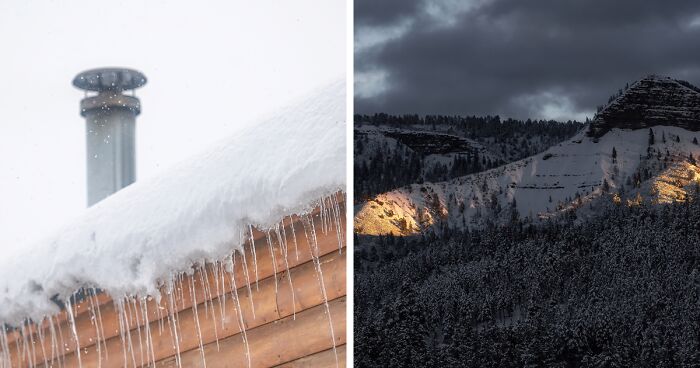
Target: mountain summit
[[649, 102]]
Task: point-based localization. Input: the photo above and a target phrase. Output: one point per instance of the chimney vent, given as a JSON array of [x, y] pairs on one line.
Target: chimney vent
[[110, 121]]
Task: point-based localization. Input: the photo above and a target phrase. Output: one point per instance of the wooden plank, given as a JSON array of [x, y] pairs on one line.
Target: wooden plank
[[294, 237], [275, 343], [324, 359], [272, 301]]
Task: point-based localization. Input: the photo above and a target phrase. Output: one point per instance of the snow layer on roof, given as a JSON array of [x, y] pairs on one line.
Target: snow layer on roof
[[195, 211]]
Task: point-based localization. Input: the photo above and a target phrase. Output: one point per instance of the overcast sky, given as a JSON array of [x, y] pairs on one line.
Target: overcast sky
[[524, 59], [212, 67]]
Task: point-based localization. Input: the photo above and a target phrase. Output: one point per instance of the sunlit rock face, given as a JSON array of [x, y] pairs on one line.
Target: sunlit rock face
[[650, 102], [392, 213], [676, 183]]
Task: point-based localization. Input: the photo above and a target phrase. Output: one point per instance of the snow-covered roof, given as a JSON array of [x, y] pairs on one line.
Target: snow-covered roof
[[196, 211]]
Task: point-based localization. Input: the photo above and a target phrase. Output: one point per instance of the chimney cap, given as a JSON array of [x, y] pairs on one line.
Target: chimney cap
[[109, 79]]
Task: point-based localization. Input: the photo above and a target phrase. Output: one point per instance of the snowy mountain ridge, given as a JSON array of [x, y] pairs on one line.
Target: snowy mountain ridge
[[623, 165]]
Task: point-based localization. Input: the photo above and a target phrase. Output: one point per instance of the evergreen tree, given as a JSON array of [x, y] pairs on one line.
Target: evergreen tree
[[607, 291]]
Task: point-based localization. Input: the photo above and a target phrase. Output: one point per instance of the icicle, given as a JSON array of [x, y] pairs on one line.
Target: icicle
[[101, 325], [289, 272], [149, 339], [6, 343], [241, 322], [206, 285], [55, 349], [177, 312], [40, 333], [3, 350], [204, 291], [182, 297], [274, 267], [196, 321], [159, 313], [282, 241], [26, 349], [313, 248], [20, 352], [120, 316], [93, 319], [255, 257], [294, 236], [245, 275], [145, 322], [63, 343], [182, 292], [284, 234], [28, 346], [209, 298], [215, 271], [322, 213], [127, 332], [172, 313], [6, 360], [71, 320], [135, 316], [32, 344], [329, 213], [222, 296], [337, 219]]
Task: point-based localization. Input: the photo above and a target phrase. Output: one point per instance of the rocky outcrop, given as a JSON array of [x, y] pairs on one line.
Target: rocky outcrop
[[649, 102]]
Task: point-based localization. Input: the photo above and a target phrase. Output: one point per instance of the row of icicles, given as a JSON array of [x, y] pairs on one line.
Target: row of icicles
[[31, 338]]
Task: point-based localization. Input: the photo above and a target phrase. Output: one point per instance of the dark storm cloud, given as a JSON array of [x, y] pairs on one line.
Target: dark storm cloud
[[379, 12], [515, 57]]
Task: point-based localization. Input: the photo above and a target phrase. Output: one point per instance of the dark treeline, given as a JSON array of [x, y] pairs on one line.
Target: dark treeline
[[383, 168], [386, 169], [620, 290], [477, 127]]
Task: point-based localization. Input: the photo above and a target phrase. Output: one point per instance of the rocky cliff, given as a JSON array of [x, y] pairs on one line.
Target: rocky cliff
[[649, 102]]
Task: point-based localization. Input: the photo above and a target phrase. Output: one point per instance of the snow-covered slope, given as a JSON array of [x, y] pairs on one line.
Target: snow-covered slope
[[197, 211], [644, 142], [393, 151], [564, 177]]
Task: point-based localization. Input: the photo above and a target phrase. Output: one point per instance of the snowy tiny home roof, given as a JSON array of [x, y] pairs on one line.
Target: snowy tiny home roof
[[194, 212]]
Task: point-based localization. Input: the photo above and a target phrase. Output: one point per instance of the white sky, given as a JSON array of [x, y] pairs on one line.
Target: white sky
[[212, 67]]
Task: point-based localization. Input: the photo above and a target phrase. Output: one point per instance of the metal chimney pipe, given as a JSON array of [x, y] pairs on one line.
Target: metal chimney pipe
[[110, 126]]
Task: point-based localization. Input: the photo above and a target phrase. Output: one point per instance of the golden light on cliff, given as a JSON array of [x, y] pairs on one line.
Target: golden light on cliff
[[673, 184], [384, 215]]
